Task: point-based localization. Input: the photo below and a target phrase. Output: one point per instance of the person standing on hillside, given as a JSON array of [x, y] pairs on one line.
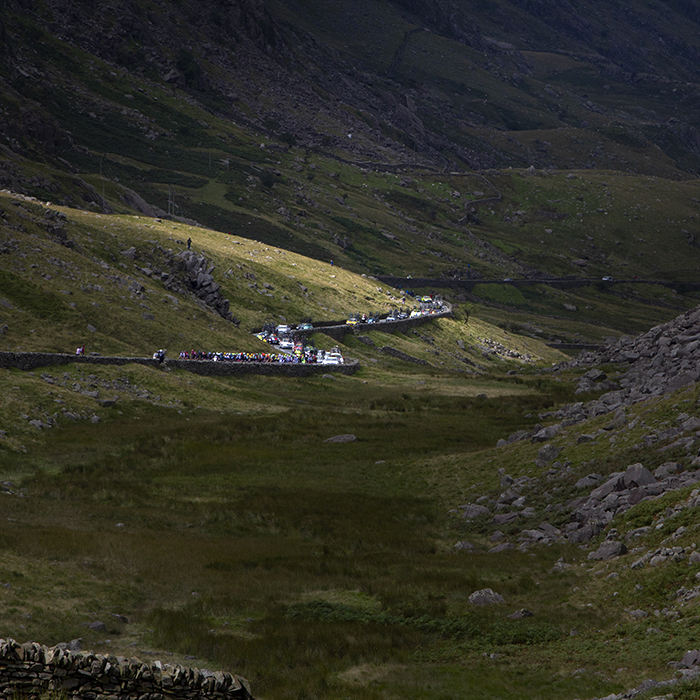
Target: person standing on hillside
[[189, 243]]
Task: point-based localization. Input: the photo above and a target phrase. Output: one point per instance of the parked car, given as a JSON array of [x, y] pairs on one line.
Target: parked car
[[304, 326], [607, 278], [283, 329], [353, 320]]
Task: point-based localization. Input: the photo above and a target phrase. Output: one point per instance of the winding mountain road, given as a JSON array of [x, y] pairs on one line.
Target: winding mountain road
[[558, 282]]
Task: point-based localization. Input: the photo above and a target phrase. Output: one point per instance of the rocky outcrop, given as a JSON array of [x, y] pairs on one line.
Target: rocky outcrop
[[55, 223], [654, 364], [192, 272], [137, 202], [688, 668]]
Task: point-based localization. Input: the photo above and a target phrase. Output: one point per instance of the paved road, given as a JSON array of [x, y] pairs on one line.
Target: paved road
[[558, 282]]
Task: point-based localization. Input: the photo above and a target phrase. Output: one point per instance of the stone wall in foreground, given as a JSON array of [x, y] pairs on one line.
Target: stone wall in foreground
[[35, 360], [30, 670]]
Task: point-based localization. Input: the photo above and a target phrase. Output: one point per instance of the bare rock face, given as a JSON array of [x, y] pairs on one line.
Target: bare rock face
[[197, 272], [447, 17], [137, 202]]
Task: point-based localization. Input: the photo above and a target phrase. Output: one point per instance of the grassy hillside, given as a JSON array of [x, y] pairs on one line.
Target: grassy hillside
[[306, 148], [327, 162], [313, 568]]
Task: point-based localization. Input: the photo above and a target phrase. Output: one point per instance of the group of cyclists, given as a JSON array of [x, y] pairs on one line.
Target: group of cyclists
[[307, 356]]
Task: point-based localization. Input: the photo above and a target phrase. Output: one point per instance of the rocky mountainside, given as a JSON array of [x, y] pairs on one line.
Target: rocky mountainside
[[646, 369], [618, 477], [429, 138], [417, 80]]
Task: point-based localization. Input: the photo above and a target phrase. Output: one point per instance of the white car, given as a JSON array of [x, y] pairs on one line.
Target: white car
[[332, 357], [284, 328], [286, 343]]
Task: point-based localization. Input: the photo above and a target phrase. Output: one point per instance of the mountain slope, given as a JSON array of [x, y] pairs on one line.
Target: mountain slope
[[272, 116]]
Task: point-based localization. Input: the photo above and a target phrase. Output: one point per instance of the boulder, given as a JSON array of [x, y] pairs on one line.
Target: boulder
[[560, 566], [486, 597], [596, 375], [666, 469], [691, 658], [547, 453], [610, 549], [508, 497], [691, 424], [506, 479], [612, 484], [464, 546], [502, 518], [473, 510], [637, 475], [519, 435], [546, 433], [638, 614], [73, 645], [588, 481], [96, 626], [501, 547]]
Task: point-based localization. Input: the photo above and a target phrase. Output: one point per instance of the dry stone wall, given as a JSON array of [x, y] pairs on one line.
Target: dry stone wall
[[35, 360], [338, 332], [29, 670]]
